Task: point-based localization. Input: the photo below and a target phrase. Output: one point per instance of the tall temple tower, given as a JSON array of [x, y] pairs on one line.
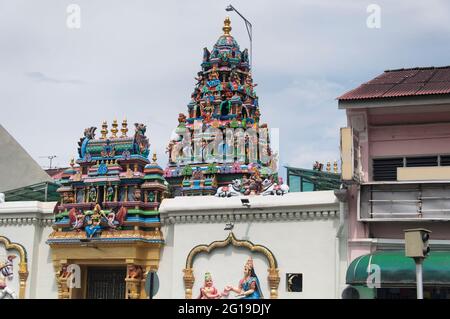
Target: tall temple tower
[[221, 140]]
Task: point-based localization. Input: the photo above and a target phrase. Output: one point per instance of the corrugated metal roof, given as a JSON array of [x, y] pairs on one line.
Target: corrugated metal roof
[[403, 82]]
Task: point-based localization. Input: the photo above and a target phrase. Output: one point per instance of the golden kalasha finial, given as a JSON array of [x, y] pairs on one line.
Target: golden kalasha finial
[[226, 26], [114, 129], [124, 128], [335, 167], [328, 167], [154, 158], [104, 130]]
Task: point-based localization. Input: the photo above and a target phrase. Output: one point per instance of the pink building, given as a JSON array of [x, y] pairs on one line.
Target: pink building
[[396, 167]]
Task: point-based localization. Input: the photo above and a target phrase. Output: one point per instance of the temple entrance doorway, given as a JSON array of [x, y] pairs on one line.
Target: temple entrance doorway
[[106, 283]]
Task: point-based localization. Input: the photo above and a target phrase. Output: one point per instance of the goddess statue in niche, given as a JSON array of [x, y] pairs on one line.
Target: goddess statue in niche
[[249, 287]]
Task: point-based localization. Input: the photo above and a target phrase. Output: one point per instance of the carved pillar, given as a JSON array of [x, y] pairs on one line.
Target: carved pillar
[[133, 282], [188, 282], [23, 275], [274, 281], [61, 280], [115, 193], [143, 294]]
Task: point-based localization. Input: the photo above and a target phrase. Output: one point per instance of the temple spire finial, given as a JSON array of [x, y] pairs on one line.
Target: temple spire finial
[[124, 128], [154, 158], [226, 26], [104, 130]]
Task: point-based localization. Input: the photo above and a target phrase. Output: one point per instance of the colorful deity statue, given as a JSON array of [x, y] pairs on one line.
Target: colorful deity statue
[[140, 139], [94, 226], [110, 193], [208, 291], [249, 286], [181, 120], [199, 78], [6, 273], [249, 85], [93, 194], [213, 78], [253, 185]]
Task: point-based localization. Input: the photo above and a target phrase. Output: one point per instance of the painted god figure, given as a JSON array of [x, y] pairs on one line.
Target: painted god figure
[[6, 272], [208, 291], [94, 223], [249, 287]]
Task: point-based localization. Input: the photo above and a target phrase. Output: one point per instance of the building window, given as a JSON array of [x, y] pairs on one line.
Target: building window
[[421, 161], [385, 169], [294, 282], [445, 160]]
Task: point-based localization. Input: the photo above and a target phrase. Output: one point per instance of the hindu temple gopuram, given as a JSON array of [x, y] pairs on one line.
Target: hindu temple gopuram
[[110, 199], [201, 227], [221, 141]]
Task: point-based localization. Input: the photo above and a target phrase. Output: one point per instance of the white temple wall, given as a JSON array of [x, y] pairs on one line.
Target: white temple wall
[[29, 224], [303, 241], [299, 228]]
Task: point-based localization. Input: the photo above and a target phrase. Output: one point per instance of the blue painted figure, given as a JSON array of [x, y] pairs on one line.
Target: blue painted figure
[[249, 287], [94, 227]]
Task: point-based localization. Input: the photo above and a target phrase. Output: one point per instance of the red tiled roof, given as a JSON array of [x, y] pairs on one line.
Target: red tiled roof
[[403, 82], [56, 173]]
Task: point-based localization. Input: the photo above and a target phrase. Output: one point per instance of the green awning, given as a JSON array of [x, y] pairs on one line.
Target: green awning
[[398, 270]]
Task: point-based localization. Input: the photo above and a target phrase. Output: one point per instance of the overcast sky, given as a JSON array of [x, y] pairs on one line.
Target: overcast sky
[[138, 59]]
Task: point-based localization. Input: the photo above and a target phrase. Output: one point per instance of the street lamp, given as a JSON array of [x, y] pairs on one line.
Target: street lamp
[[248, 25]]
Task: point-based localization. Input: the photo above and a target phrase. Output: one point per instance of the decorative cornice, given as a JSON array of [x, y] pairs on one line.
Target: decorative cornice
[[12, 221], [258, 216], [27, 213]]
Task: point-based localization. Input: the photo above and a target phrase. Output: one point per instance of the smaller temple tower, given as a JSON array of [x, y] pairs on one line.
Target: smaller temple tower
[[110, 200]]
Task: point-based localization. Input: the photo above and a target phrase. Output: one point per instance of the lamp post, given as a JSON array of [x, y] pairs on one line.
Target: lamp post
[[248, 25], [417, 247]]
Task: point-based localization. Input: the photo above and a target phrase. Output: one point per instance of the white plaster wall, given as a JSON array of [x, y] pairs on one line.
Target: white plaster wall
[[301, 246], [16, 224], [306, 245], [45, 284], [24, 235]]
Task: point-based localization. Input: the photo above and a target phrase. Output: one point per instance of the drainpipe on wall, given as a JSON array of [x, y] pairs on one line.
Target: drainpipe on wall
[[341, 195]]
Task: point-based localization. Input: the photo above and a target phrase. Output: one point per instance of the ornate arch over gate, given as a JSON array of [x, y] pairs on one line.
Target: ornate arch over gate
[[23, 264], [273, 275]]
